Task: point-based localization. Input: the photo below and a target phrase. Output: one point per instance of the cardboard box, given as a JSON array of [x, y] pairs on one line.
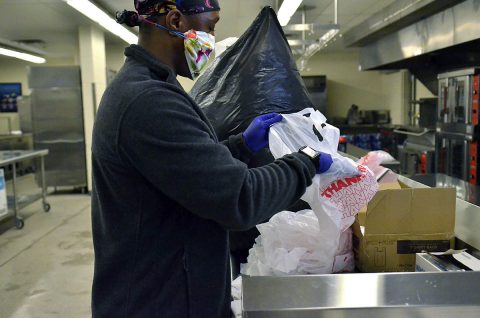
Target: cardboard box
[[381, 187], [400, 222]]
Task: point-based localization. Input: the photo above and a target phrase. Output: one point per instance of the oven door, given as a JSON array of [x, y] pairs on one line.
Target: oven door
[[453, 155]]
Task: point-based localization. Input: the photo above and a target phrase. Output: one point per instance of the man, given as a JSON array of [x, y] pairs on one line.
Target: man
[[165, 190]]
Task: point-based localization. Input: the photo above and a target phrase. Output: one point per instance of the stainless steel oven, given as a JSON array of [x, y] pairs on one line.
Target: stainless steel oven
[[458, 124]]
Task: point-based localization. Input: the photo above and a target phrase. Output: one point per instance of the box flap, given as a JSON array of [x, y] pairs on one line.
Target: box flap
[[438, 209], [381, 187], [388, 186], [411, 211]]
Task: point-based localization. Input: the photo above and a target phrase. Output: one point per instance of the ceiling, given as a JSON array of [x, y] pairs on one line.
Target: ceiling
[[55, 24]]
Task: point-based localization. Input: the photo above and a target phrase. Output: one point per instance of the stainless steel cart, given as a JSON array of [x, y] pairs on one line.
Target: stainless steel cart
[[9, 159]]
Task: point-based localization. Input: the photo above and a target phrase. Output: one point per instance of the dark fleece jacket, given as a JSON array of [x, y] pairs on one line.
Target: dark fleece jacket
[[165, 194]]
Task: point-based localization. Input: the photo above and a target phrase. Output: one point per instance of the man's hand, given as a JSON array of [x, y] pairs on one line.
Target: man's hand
[[325, 162], [256, 135]]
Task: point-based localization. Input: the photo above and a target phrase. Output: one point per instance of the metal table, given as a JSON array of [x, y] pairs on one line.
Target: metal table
[[10, 158], [376, 295]]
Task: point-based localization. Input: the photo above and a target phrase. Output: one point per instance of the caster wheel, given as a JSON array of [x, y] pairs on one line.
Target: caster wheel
[[46, 207], [19, 224]]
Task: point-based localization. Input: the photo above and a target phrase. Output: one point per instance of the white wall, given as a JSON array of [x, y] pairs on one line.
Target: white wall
[[422, 91], [395, 87], [115, 56], [346, 85], [14, 70]]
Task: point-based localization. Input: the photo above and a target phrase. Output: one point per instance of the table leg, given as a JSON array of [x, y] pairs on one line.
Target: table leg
[[19, 223], [46, 205]]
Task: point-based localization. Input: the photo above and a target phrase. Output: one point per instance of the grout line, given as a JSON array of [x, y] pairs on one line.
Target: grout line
[[49, 232]]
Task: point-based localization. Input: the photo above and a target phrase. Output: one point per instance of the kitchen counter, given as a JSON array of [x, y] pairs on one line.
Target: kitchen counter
[[376, 295], [465, 191]]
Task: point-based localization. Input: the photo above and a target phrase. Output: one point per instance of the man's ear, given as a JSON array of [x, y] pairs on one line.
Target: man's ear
[[176, 21]]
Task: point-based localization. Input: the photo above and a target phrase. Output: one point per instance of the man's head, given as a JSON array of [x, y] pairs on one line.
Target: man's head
[[178, 16]]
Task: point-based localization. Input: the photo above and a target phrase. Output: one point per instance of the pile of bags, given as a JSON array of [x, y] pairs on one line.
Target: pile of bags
[[317, 241]]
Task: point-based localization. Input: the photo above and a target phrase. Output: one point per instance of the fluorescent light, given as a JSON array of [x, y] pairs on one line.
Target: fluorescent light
[[22, 56], [287, 10], [310, 27], [99, 16]]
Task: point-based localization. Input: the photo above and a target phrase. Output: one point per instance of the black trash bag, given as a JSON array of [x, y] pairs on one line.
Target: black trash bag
[[255, 76]]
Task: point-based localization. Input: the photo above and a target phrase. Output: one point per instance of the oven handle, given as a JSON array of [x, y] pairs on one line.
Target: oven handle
[[454, 134], [398, 131]]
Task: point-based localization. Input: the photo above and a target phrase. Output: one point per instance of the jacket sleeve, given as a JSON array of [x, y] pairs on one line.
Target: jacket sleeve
[[238, 148], [163, 136]]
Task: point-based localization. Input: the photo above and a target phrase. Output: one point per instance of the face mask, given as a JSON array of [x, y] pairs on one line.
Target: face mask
[[199, 48]]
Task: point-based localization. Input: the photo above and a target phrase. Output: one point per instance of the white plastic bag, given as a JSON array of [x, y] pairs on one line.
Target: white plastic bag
[[373, 161], [341, 191], [375, 158], [236, 303], [287, 245], [293, 243]]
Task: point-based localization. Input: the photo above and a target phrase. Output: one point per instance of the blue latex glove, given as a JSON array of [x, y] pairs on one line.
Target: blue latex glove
[[325, 162], [256, 135]]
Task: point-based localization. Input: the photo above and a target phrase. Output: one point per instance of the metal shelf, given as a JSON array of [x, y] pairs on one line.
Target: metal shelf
[[14, 201]]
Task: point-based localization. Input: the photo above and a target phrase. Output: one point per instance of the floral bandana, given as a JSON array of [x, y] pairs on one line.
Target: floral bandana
[[199, 47], [159, 7]]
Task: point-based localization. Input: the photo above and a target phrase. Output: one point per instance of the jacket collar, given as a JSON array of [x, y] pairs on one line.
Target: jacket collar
[[141, 55]]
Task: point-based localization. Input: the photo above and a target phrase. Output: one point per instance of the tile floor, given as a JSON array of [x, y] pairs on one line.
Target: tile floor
[[46, 268]]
